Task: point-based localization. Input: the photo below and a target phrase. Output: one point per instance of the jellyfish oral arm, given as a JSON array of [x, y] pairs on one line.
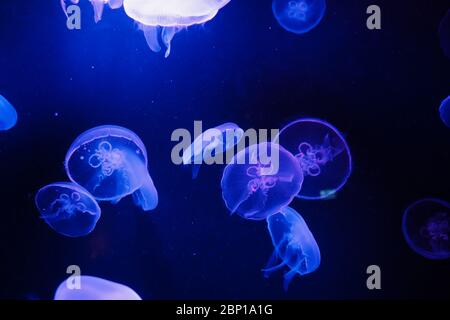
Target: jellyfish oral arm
[[147, 196]]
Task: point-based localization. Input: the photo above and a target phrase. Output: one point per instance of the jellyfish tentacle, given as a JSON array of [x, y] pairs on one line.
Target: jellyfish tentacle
[[151, 36], [167, 35]]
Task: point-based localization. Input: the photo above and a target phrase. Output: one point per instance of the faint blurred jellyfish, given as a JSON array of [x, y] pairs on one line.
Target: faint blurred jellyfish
[[170, 16], [256, 186], [8, 115], [98, 6], [211, 143], [444, 34], [294, 245], [444, 111], [68, 209], [299, 16], [93, 288], [111, 163], [322, 153], [426, 228]]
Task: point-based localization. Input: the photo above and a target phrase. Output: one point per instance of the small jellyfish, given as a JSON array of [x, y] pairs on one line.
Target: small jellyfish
[[68, 209], [169, 17], [211, 143], [8, 115], [261, 180], [426, 228], [111, 163], [299, 16], [93, 288], [294, 245], [444, 111], [322, 153], [444, 34]]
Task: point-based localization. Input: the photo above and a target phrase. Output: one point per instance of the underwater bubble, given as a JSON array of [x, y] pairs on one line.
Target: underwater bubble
[[167, 17], [68, 209], [93, 288], [426, 228], [444, 34], [294, 245], [111, 163], [8, 115], [299, 16], [322, 153], [444, 111], [212, 142], [261, 180]]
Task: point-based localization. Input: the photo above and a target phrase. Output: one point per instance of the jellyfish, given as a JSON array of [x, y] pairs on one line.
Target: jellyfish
[[260, 180], [167, 17], [111, 163], [426, 228], [294, 245], [8, 115], [444, 111], [211, 143], [322, 153], [444, 34], [68, 209], [298, 16], [98, 6], [93, 288]]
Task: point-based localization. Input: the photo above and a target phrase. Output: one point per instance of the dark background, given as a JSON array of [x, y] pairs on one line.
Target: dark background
[[382, 89]]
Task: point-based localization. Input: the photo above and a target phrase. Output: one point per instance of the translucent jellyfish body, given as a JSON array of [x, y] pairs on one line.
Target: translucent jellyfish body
[[444, 111], [322, 153], [8, 115], [299, 16], [167, 17], [98, 6], [294, 245], [255, 186], [444, 34], [212, 142], [111, 163], [68, 209], [426, 228], [93, 288]]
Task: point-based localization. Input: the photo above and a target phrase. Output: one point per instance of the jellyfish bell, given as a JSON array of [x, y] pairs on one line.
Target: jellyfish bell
[[93, 288], [322, 153], [111, 163], [294, 245], [444, 111], [261, 180], [299, 16], [68, 209], [426, 228], [8, 115], [170, 16]]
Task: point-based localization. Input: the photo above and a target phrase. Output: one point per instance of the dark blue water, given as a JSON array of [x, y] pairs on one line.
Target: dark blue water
[[382, 89]]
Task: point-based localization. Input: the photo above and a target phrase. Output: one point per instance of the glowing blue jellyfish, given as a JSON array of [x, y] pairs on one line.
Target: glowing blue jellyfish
[[294, 245], [444, 111], [8, 115], [93, 288], [261, 180], [444, 34], [98, 6], [299, 16], [426, 228], [212, 142], [111, 163], [68, 209], [169, 17], [322, 153]]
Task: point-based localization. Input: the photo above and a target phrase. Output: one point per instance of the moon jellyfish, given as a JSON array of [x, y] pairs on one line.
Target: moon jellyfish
[[444, 111], [98, 6], [426, 228], [299, 16], [167, 17], [8, 115], [444, 34], [322, 153], [111, 163], [93, 288], [211, 143], [256, 185], [294, 245], [68, 209]]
